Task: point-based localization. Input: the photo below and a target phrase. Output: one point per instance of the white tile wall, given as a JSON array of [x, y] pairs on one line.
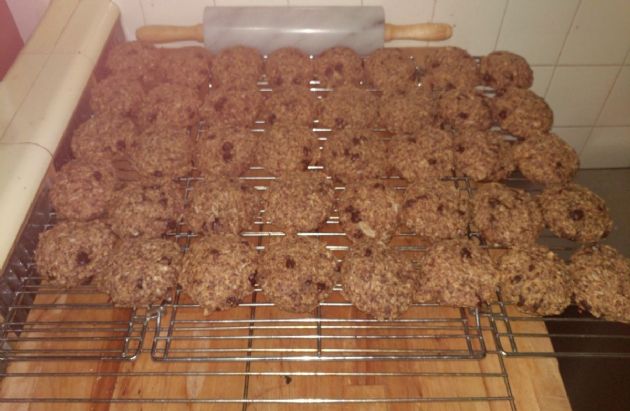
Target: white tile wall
[[576, 136], [607, 147], [542, 77], [616, 111]]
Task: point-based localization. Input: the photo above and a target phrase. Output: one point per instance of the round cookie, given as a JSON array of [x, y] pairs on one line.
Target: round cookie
[[224, 151], [188, 66], [290, 105], [299, 201], [296, 274], [436, 209], [284, 148], [377, 281], [221, 205], [135, 60], [147, 208], [546, 159], [505, 215], [369, 209], [501, 69], [483, 155], [457, 273], [601, 278], [425, 154], [237, 67], [338, 66], [67, 253], [169, 105], [139, 271], [219, 271], [521, 112], [446, 68], [116, 95], [535, 279], [462, 109], [348, 107], [82, 189], [406, 112], [390, 69], [162, 152], [289, 66], [103, 135], [233, 108], [354, 155], [575, 212]]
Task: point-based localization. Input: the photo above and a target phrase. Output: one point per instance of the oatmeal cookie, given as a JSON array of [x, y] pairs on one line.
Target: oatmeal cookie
[[162, 152], [233, 108], [296, 274], [535, 279], [390, 69], [378, 281], [169, 105], [116, 95], [67, 253], [425, 154], [146, 208], [575, 212], [299, 201], [188, 66], [406, 112], [135, 60], [456, 272], [290, 105], [139, 271], [236, 68], [370, 209], [338, 66], [226, 151], [447, 68], [82, 189], [505, 215], [289, 66], [521, 112], [436, 209], [221, 205], [601, 278], [483, 155], [462, 109], [349, 107], [546, 159], [102, 136], [219, 271], [501, 69], [354, 155], [284, 148]]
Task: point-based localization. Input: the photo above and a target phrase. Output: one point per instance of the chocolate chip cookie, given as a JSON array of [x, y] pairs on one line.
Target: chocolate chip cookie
[[406, 112], [219, 271], [296, 274], [103, 135], [546, 159], [425, 154], [232, 108], [188, 66], [338, 66], [290, 105], [463, 109], [576, 213], [289, 66], [286, 148], [237, 67], [67, 253], [521, 112], [225, 151], [449, 68], [483, 155], [501, 69], [169, 105], [349, 107], [390, 69], [162, 152], [116, 95], [136, 60]]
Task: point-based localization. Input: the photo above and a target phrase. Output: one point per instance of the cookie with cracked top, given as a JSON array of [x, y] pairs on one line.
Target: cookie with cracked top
[[116, 95], [299, 201], [236, 67], [521, 112], [348, 107], [406, 112], [369, 209], [290, 105], [289, 66], [448, 68], [338, 66], [501, 69], [436, 209], [576, 213], [462, 109], [285, 148], [67, 254], [535, 279], [103, 135], [505, 215], [139, 271], [546, 159], [456, 272], [169, 105], [390, 69], [135, 60], [296, 274], [483, 155], [231, 108], [378, 281], [425, 154], [188, 66], [219, 271], [227, 151], [162, 152]]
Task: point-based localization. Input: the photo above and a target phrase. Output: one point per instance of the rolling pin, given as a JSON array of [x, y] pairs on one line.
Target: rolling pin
[[311, 29]]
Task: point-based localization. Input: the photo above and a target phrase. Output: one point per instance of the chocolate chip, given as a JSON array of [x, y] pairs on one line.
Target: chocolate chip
[[321, 287], [339, 67], [218, 106], [577, 215], [289, 262], [83, 258], [358, 234], [157, 174], [516, 279], [410, 203], [279, 80], [503, 114], [380, 186], [306, 151], [252, 278], [440, 208], [308, 282], [166, 260], [508, 76], [531, 267], [340, 122], [432, 161], [355, 215], [227, 151], [493, 202], [271, 118], [465, 253], [356, 141], [435, 65], [97, 176], [459, 148], [215, 252], [163, 202], [287, 379], [139, 284], [462, 115], [559, 164], [450, 86], [368, 252], [120, 145], [171, 224], [487, 78]]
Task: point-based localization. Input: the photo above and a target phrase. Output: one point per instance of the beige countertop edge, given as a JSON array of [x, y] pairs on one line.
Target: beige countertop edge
[[38, 97]]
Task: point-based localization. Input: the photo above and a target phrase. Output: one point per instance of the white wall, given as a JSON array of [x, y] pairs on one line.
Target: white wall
[[27, 14]]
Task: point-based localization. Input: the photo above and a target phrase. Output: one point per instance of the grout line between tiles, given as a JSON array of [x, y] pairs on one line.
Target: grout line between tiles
[[496, 42], [428, 43]]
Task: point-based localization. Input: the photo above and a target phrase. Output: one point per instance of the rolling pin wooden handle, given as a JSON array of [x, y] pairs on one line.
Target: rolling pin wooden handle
[[421, 31], [168, 34]]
